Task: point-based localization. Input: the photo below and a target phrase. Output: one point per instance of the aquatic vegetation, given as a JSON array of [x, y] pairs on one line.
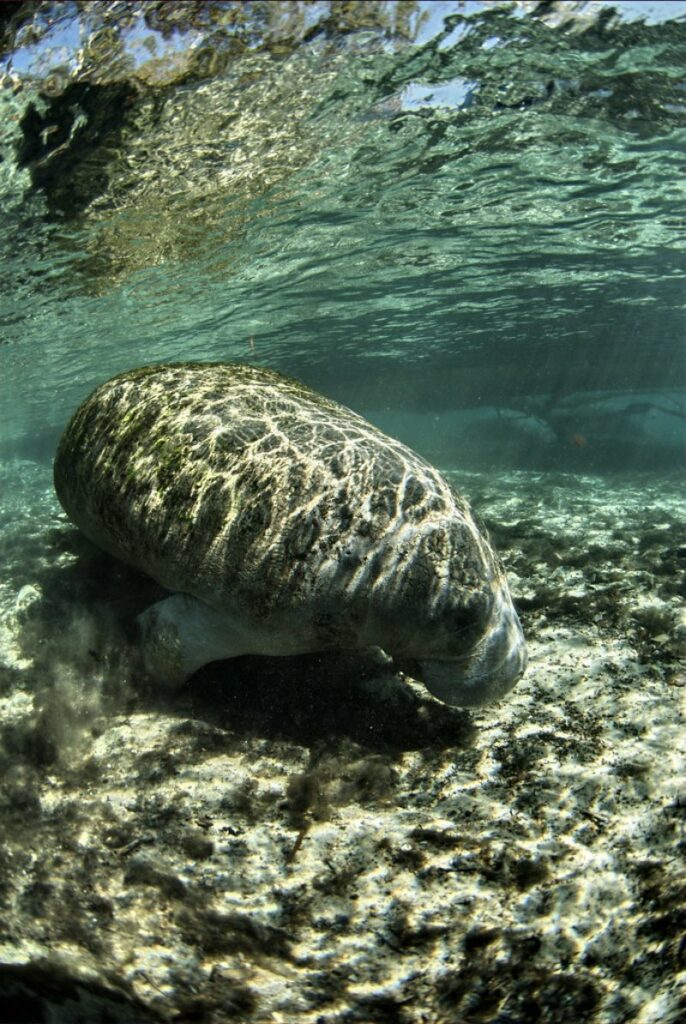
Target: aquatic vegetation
[[259, 818]]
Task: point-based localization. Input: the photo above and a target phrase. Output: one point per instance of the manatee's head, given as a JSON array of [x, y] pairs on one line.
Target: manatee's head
[[461, 632], [490, 668]]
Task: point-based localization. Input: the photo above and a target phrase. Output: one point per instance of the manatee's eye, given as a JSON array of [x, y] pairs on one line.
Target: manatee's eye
[[467, 623], [350, 556]]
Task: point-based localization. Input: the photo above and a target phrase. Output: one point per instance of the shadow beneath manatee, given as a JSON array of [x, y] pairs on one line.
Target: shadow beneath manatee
[[324, 696], [82, 629]]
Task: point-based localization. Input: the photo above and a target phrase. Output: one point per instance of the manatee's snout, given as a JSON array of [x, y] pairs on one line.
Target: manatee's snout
[[490, 669]]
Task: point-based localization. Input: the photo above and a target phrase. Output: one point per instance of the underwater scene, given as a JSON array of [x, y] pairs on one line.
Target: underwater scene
[[343, 512]]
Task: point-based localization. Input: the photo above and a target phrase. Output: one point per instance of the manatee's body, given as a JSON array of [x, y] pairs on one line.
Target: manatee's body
[[284, 523]]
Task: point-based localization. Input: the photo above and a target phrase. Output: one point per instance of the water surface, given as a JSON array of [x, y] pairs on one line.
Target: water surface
[[446, 207]]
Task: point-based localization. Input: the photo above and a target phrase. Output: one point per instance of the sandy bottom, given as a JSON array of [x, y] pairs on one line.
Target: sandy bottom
[[310, 840]]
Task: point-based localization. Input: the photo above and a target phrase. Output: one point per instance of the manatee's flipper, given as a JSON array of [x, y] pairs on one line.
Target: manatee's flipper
[[181, 634]]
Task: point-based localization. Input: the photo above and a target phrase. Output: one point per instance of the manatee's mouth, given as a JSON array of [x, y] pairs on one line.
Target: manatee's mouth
[[490, 669]]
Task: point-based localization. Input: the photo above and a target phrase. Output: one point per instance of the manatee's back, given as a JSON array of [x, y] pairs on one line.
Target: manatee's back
[[243, 488]]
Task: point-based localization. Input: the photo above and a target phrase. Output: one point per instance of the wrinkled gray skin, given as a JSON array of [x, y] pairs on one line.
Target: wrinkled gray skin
[[284, 523]]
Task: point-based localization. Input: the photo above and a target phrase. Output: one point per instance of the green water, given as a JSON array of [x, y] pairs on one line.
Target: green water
[[465, 221]]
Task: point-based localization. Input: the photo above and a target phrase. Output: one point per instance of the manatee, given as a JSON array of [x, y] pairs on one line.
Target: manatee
[[284, 523]]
